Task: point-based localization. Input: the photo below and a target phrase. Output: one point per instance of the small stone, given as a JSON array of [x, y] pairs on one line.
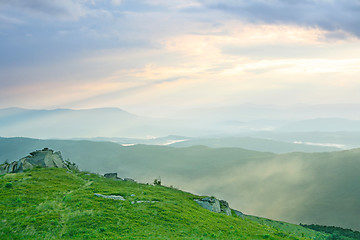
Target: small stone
[[129, 180], [114, 197], [133, 202]]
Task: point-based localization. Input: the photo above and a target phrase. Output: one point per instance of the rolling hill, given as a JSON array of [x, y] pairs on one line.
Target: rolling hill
[[256, 144], [53, 203], [313, 188], [250, 143]]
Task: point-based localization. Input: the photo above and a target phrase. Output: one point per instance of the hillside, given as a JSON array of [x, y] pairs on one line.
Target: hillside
[[56, 203], [256, 144], [345, 140], [250, 143], [316, 188]]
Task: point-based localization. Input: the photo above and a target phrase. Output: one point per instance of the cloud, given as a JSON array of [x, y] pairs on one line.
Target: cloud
[[174, 4], [146, 51], [326, 14], [64, 10], [5, 21], [116, 2]]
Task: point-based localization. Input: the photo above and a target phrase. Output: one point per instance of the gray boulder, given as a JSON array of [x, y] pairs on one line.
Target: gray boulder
[[224, 206], [44, 158], [214, 205], [211, 204], [112, 176], [129, 180], [238, 213]]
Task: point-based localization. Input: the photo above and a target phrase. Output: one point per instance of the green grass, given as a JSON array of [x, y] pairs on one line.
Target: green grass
[[336, 232], [291, 229], [57, 204]]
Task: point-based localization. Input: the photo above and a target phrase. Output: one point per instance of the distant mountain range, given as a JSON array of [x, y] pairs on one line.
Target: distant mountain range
[[116, 123], [67, 123], [251, 112], [322, 125]]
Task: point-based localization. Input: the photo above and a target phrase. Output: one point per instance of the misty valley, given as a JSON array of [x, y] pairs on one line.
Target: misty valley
[[294, 176]]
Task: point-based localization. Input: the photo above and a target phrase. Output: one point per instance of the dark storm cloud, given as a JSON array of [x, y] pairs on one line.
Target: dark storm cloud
[[330, 15]]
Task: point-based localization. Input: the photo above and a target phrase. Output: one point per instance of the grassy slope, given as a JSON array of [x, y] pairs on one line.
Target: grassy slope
[[295, 230], [54, 203], [315, 188]]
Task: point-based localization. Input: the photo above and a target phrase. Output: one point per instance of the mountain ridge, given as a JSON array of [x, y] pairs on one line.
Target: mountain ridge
[[115, 122]]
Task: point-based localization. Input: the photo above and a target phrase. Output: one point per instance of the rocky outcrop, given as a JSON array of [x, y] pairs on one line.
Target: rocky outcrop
[[214, 205], [115, 176], [208, 203], [112, 176], [129, 180], [44, 158], [224, 207], [238, 213]]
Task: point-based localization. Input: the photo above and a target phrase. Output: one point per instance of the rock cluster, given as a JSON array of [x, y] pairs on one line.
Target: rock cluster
[[115, 176], [44, 158], [112, 175], [238, 213], [224, 207], [129, 180], [214, 205]]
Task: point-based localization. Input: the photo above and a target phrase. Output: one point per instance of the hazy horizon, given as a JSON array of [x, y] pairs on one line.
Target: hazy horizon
[[269, 112]]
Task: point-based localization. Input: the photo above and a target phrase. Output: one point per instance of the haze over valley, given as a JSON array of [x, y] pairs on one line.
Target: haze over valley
[[288, 172], [296, 170]]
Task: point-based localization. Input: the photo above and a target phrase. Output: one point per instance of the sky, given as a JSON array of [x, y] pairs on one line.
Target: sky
[[157, 56]]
